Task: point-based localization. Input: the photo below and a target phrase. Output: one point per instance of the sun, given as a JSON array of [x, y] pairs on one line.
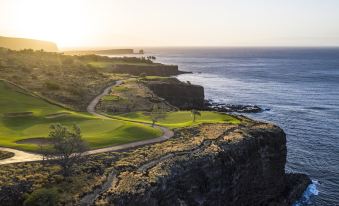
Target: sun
[[60, 21]]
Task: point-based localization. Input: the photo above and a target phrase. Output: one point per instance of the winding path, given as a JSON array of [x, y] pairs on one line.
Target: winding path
[[21, 156]]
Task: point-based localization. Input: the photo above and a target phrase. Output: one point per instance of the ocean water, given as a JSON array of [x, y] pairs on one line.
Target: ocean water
[[300, 86]]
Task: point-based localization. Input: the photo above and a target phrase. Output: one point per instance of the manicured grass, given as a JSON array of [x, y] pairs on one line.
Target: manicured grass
[[101, 65], [110, 98], [181, 118], [155, 77], [120, 88], [98, 132]]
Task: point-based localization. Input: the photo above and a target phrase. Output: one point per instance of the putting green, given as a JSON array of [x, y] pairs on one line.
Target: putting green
[[97, 131], [180, 119]]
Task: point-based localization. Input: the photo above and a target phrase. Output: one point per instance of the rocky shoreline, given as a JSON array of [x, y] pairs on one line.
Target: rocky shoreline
[[210, 105]]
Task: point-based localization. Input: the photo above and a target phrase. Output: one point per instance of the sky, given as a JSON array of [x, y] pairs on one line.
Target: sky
[[152, 23]]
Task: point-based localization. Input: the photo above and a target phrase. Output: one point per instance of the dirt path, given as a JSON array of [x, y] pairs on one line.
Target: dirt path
[[21, 156]]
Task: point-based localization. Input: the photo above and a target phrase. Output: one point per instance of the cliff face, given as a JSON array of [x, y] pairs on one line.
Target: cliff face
[[179, 94], [149, 70], [212, 165]]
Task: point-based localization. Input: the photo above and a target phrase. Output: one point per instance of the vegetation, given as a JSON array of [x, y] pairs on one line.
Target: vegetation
[[111, 98], [156, 115], [6, 155], [181, 118], [75, 80], [52, 86], [37, 182], [67, 147], [43, 197], [152, 78], [195, 113], [131, 96], [96, 131], [93, 172], [120, 88], [27, 116]]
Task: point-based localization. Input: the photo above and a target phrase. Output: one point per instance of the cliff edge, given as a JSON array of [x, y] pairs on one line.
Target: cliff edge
[[183, 95], [219, 164]]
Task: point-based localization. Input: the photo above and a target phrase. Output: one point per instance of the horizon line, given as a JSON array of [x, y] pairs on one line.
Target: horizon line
[[142, 47]]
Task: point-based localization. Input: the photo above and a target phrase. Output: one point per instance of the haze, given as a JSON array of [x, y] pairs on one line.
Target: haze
[[117, 23]]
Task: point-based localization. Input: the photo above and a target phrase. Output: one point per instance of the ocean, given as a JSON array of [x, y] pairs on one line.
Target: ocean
[[299, 86]]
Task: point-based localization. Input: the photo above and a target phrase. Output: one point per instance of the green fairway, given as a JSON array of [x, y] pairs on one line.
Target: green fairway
[[16, 125], [181, 118]]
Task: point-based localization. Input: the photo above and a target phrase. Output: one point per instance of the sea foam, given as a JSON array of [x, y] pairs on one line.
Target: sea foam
[[309, 192]]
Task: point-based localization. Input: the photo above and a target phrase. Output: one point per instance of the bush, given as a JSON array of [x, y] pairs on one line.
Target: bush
[[92, 69], [34, 76], [68, 61], [43, 197], [5, 155], [26, 69], [52, 86]]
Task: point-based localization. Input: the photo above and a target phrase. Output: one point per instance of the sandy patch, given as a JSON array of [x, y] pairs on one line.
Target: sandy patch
[[37, 140]]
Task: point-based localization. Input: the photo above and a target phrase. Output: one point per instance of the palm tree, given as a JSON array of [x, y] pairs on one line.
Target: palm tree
[[195, 113]]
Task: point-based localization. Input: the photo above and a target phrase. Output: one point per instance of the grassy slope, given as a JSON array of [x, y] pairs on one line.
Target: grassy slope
[[98, 132], [181, 118]]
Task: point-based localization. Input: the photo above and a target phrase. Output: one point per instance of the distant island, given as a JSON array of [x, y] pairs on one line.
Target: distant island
[[23, 43]]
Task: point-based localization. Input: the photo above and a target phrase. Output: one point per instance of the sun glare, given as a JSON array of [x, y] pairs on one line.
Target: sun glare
[[60, 21]]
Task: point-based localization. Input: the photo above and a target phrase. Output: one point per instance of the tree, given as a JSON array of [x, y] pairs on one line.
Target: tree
[[195, 113], [156, 115], [68, 147]]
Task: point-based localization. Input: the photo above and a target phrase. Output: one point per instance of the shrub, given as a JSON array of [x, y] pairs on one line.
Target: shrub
[[26, 69], [91, 68], [68, 61], [79, 91], [34, 76], [5, 155], [43, 197], [52, 86]]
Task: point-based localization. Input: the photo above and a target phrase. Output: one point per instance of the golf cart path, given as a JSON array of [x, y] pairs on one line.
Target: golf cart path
[[21, 156]]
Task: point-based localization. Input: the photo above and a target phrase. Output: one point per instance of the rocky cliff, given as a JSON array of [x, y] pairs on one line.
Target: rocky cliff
[[180, 94], [220, 164], [147, 69]]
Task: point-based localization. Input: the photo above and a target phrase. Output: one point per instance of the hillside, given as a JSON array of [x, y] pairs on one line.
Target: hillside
[[103, 52], [71, 80], [21, 43]]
